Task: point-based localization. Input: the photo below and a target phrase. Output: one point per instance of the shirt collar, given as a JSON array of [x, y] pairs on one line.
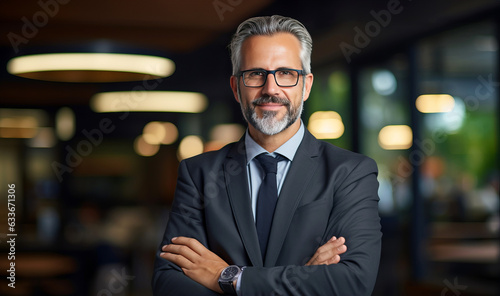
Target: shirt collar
[[288, 149]]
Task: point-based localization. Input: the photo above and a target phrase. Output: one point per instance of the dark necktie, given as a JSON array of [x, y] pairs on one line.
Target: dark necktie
[[266, 199]]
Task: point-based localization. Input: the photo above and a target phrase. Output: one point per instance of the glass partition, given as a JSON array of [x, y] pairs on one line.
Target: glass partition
[[459, 174], [430, 120]]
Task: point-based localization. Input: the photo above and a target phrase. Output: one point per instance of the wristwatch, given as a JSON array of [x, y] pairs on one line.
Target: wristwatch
[[227, 277]]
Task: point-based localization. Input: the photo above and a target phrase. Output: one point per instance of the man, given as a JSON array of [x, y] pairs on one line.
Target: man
[[319, 235]]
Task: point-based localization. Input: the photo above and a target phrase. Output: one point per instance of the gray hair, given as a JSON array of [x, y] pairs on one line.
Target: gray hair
[[270, 25]]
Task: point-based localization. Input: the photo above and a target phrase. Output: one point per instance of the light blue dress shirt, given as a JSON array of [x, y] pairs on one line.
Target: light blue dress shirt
[[256, 173]]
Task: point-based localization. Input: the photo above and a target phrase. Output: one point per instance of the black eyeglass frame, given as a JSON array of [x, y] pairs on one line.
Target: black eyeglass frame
[[267, 72]]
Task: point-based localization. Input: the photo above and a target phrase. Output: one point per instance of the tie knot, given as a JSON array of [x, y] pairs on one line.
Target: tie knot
[[269, 163]]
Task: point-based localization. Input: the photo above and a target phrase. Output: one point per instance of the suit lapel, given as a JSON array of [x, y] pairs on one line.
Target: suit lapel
[[296, 184], [236, 179]]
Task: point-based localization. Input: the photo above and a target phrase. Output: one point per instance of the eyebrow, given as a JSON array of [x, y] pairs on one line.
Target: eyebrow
[[277, 69]]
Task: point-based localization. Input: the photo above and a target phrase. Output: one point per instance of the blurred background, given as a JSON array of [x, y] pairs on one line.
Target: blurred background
[[93, 151]]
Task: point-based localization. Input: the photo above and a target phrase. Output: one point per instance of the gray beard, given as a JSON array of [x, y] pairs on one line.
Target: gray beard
[[269, 124]]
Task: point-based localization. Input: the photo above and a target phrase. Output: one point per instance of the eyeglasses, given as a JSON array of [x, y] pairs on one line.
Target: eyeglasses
[[284, 77]]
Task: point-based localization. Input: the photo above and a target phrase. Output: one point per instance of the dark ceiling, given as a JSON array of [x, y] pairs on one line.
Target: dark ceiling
[[195, 34], [175, 29]]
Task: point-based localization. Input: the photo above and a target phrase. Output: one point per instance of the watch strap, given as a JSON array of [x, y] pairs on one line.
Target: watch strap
[[227, 286]]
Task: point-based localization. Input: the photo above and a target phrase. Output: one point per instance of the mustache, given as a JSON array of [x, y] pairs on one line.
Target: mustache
[[271, 99]]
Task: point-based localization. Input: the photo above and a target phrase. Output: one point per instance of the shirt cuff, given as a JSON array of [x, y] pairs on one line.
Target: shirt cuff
[[238, 283]]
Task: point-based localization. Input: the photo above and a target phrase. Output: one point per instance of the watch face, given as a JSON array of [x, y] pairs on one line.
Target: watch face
[[229, 272]]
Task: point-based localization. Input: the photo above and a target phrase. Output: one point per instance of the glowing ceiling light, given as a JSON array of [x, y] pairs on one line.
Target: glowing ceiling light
[[157, 132], [46, 66], [227, 133], [21, 123], [65, 123], [143, 148], [149, 101], [171, 133], [25, 127], [326, 125], [223, 134], [395, 137], [153, 133], [190, 146], [435, 103]]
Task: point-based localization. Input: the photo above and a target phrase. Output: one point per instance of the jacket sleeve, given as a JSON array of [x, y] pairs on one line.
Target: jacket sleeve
[[186, 219], [355, 217]]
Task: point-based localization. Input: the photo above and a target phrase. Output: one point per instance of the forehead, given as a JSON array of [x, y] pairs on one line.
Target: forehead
[[271, 51]]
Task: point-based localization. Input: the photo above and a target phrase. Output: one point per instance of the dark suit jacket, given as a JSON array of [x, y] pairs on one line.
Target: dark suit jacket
[[328, 192]]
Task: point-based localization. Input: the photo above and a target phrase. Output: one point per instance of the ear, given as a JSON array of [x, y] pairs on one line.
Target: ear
[[234, 86], [308, 80]]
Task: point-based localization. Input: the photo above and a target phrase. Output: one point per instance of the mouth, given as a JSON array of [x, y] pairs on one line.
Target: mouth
[[270, 106]]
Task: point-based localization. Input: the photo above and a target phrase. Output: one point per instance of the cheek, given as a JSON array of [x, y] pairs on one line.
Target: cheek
[[249, 95], [295, 98]]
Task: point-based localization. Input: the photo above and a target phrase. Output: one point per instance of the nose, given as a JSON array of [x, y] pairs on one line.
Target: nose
[[270, 88]]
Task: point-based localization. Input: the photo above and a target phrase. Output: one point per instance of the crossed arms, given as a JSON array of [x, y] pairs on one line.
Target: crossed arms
[[186, 266], [205, 267]]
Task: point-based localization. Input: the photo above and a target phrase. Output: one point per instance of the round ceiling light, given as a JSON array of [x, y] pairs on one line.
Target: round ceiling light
[[91, 67]]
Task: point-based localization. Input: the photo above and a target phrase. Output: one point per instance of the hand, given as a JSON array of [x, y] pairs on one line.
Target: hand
[[329, 253], [196, 261]]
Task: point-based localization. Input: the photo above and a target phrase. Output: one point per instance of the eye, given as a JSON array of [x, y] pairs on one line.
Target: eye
[[285, 73], [255, 74]]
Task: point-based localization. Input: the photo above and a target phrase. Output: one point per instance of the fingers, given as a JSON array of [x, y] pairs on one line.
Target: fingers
[[192, 243], [335, 243], [333, 247], [195, 260], [182, 251], [329, 253], [334, 260], [176, 258], [339, 245]]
